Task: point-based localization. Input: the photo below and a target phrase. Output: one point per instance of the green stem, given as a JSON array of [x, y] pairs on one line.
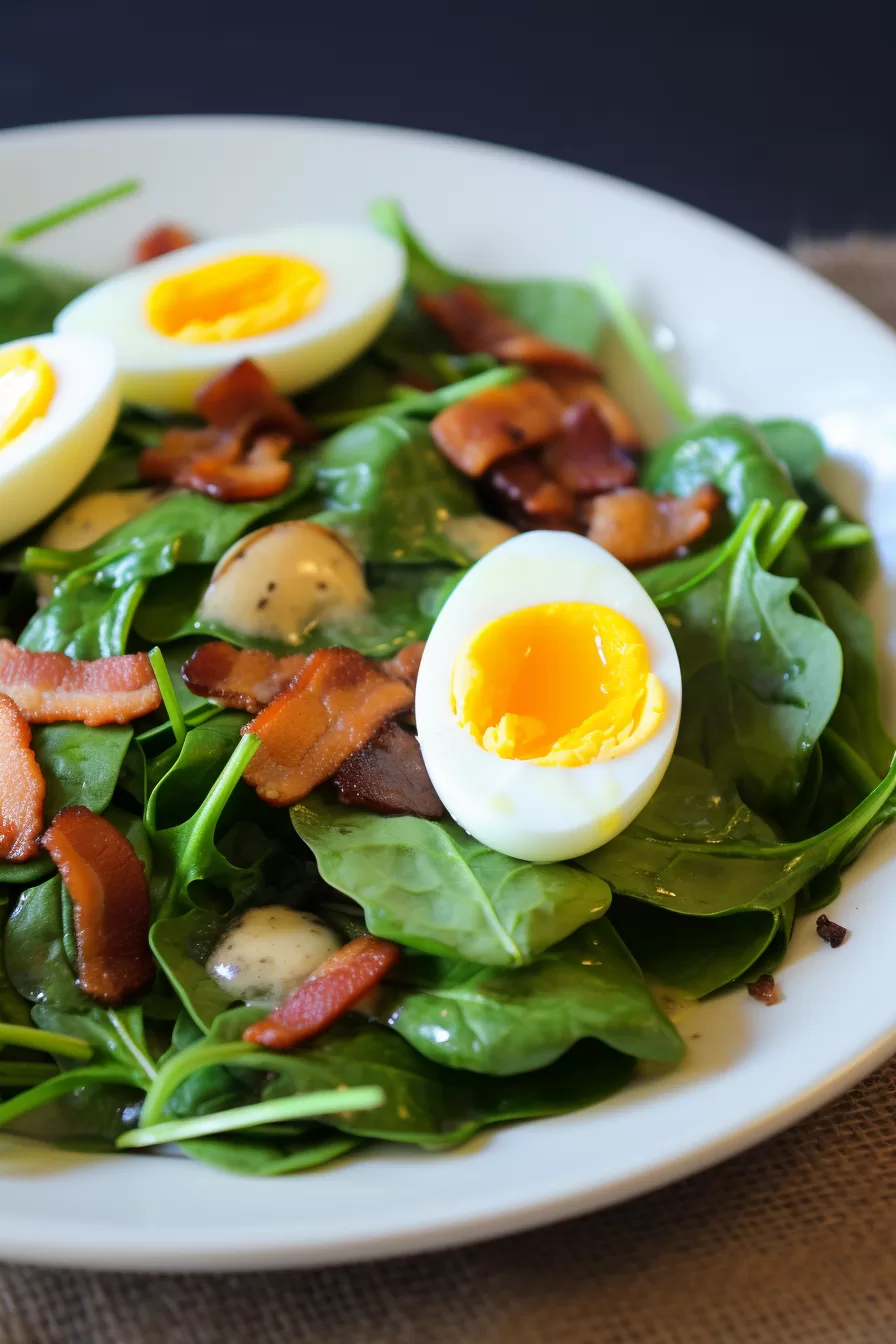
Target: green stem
[[192, 719], [263, 1112], [30, 228], [426, 403], [25, 1075], [854, 766], [51, 1042], [169, 699], [57, 1087], [785, 524], [176, 1071], [633, 337], [749, 526]]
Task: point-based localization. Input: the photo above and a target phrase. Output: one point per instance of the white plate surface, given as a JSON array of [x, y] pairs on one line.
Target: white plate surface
[[759, 335]]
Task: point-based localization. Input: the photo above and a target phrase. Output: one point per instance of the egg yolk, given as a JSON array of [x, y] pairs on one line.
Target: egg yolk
[[27, 386], [562, 684], [236, 297]]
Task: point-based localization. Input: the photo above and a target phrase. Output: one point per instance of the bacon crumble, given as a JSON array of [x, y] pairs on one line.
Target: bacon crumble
[[829, 931], [53, 688], [571, 388], [333, 989], [110, 897], [388, 776], [476, 326], [527, 496], [239, 454], [161, 240], [22, 787], [336, 704], [405, 665], [640, 528], [234, 678], [765, 990], [475, 433], [583, 458]]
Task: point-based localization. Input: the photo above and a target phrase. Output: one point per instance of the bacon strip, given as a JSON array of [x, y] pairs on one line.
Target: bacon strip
[[475, 325], [238, 455], [526, 496], [571, 388], [245, 679], [476, 433], [107, 884], [389, 776], [51, 687], [405, 665], [161, 240], [22, 787], [640, 528], [583, 458], [333, 707], [333, 989]]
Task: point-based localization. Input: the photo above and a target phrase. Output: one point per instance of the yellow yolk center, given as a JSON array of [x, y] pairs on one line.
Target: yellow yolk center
[[562, 684], [236, 297], [27, 386]]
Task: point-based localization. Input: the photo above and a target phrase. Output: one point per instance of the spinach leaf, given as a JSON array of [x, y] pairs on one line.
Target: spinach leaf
[[729, 453], [386, 487], [424, 1103], [690, 955], [181, 946], [116, 1034], [795, 443], [13, 1008], [80, 765], [563, 310], [507, 1022], [83, 619], [429, 885], [31, 295], [759, 680], [668, 860]]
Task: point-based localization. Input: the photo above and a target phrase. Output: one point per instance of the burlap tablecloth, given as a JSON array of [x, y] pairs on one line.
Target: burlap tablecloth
[[792, 1243]]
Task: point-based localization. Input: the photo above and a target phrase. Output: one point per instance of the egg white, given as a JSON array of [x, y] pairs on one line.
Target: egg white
[[41, 466], [534, 812], [364, 274]]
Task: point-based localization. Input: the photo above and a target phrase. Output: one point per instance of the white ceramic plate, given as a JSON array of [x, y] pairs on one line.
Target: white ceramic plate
[[760, 335]]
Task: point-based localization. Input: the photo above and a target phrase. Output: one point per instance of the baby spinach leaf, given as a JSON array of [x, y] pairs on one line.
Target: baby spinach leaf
[[690, 955], [181, 946], [31, 295], [795, 443], [263, 1154], [759, 680], [387, 488], [424, 1103], [727, 452], [80, 764], [563, 310], [429, 885], [13, 1008], [116, 1034], [660, 859], [507, 1022], [40, 948], [670, 580], [83, 619]]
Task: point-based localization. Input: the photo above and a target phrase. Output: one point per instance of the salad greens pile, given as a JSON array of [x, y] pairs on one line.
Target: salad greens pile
[[524, 990]]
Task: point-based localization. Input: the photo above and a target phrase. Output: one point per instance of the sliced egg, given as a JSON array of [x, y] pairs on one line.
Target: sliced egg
[[548, 698], [302, 302], [59, 400]]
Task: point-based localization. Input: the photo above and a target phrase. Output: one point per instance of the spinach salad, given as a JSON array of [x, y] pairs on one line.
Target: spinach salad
[[486, 988]]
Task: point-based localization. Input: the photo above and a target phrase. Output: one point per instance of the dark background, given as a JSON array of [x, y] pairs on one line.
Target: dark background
[[780, 117]]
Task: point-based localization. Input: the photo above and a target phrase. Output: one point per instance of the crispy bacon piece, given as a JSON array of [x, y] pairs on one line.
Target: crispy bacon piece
[[333, 989], [333, 707], [527, 497], [110, 896], [245, 679], [571, 387], [164, 238], [829, 931], [51, 687], [22, 786], [640, 528], [476, 433], [406, 663], [583, 458], [239, 454], [475, 325], [765, 990], [388, 775]]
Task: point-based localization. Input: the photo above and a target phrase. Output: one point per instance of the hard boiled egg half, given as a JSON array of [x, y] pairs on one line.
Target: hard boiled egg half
[[548, 698], [59, 400], [302, 302]]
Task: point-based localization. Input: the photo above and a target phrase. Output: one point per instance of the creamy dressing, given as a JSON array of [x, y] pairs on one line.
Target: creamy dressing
[[88, 519], [269, 951], [280, 581], [476, 535]]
